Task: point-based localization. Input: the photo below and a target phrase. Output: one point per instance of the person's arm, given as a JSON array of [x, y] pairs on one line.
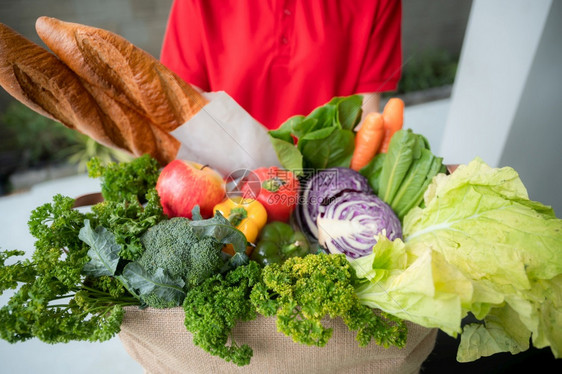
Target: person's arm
[[371, 102]]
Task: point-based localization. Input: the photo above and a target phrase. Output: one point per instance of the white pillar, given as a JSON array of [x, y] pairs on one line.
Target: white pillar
[[506, 104]]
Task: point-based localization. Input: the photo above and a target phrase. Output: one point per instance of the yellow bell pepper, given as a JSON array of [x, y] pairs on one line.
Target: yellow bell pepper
[[247, 215]]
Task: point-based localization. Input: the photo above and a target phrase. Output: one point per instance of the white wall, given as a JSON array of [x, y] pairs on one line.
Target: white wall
[[506, 101]]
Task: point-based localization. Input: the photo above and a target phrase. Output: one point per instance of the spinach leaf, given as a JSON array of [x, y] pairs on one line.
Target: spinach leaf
[[324, 115], [305, 126], [289, 155], [286, 129], [349, 111], [324, 138], [335, 150], [318, 134]]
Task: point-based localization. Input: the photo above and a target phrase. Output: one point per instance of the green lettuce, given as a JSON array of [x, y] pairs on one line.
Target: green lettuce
[[478, 246]]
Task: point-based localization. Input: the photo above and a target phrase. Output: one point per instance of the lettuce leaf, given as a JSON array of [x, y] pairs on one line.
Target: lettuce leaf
[[484, 215], [422, 289], [478, 246]]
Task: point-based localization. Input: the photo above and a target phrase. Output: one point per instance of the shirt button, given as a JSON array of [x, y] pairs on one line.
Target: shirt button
[[284, 40], [287, 12]]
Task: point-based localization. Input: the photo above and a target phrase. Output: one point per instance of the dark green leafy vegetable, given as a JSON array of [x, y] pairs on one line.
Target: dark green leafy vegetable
[[59, 253], [54, 299], [19, 272], [372, 171], [156, 289], [333, 150], [131, 204], [128, 220], [304, 290], [324, 138], [213, 308], [103, 252], [224, 232]]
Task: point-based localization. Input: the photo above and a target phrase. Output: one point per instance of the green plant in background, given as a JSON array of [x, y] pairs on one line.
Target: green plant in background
[[37, 139], [41, 141], [87, 148], [426, 70]]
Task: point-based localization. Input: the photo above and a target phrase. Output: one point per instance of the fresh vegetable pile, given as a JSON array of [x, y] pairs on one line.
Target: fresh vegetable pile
[[364, 224], [124, 251]]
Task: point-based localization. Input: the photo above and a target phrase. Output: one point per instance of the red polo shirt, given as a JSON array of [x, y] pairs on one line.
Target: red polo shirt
[[282, 58]]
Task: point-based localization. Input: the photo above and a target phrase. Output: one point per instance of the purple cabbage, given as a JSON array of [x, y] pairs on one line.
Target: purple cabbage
[[349, 224], [321, 189]]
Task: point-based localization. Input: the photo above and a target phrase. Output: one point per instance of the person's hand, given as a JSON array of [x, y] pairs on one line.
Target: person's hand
[[371, 103]]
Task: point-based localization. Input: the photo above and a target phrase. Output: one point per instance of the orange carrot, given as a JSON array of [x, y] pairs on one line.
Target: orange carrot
[[393, 114], [367, 140]]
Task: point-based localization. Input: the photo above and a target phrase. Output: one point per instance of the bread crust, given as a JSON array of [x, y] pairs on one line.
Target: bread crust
[[140, 135], [38, 79], [123, 71]]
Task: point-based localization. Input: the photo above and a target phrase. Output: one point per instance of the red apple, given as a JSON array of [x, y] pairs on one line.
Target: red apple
[[184, 184]]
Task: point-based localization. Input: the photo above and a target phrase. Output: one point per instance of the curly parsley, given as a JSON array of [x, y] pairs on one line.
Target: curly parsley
[[303, 291]]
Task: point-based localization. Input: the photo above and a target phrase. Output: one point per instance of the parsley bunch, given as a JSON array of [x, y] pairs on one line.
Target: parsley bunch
[[213, 308], [54, 299], [304, 290]]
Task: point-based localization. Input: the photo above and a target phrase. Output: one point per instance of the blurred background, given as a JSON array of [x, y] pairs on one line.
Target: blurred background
[[433, 34], [481, 78]]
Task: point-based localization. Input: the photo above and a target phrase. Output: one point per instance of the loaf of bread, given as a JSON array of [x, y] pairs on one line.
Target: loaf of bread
[[38, 79], [123, 71], [99, 84]]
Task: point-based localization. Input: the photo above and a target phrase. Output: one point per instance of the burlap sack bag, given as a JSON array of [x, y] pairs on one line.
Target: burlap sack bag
[[158, 340]]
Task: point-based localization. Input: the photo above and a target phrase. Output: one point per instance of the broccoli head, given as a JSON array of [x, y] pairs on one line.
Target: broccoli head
[[167, 245], [205, 260], [175, 259]]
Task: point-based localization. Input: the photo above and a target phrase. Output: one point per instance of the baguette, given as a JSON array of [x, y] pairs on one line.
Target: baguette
[[140, 134], [38, 79], [123, 71]]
